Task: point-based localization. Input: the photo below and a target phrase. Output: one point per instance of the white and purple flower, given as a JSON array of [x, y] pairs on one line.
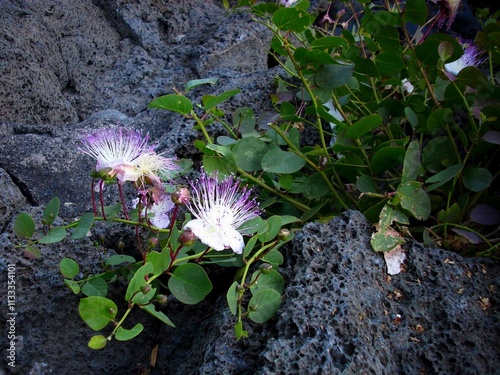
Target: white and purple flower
[[220, 209], [126, 155], [470, 57]]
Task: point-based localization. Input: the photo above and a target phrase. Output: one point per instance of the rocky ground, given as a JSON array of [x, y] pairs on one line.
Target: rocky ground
[[69, 67]]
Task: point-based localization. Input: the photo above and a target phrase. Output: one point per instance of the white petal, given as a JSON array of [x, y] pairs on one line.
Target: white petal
[[210, 236], [233, 239]]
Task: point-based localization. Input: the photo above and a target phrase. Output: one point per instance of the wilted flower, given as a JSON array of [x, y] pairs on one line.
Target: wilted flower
[[407, 86], [448, 11], [156, 202], [126, 155], [115, 149], [470, 57], [220, 208]]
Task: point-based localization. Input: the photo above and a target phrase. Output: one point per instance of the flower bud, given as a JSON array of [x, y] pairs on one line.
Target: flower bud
[[181, 196], [265, 268], [152, 242], [187, 238], [161, 299], [252, 308], [283, 234], [121, 245], [145, 288], [240, 289]]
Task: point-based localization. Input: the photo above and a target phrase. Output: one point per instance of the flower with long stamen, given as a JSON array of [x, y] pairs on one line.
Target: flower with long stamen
[[150, 166], [157, 203], [116, 151], [220, 209], [470, 57]]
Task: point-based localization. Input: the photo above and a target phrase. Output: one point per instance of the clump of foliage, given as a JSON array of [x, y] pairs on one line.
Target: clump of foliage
[[401, 135]]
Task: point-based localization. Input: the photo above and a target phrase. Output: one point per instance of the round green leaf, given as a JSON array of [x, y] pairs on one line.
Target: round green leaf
[[387, 158], [173, 102], [97, 312], [273, 228], [273, 257], [55, 235], [272, 280], [69, 268], [363, 126], [248, 153], [263, 305], [95, 287], [123, 334], [332, 76], [97, 342], [138, 280], [189, 283], [73, 285], [283, 162], [415, 11], [477, 179], [389, 63], [117, 259], [24, 226], [292, 19]]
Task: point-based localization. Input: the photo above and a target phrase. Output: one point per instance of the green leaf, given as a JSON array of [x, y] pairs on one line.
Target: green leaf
[[450, 215], [73, 285], [173, 102], [198, 82], [95, 287], [123, 334], [83, 226], [415, 11], [263, 305], [274, 257], [112, 211], [411, 164], [477, 179], [332, 76], [273, 228], [69, 268], [232, 297], [363, 126], [97, 312], [248, 153], [217, 163], [387, 158], [388, 38], [472, 77], [189, 283], [150, 308], [414, 199], [438, 154], [138, 280], [33, 252], [388, 216], [244, 120], [328, 43], [252, 226], [283, 162], [117, 259], [389, 63], [251, 244], [239, 331], [272, 280], [160, 261], [385, 242], [439, 118], [55, 235], [428, 51], [210, 101], [97, 342], [51, 211], [24, 226], [443, 177], [291, 19]]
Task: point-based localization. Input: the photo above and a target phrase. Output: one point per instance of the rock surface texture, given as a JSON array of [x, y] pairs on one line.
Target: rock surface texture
[[70, 67]]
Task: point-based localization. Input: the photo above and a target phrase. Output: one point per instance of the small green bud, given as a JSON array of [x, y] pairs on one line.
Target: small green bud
[[283, 234], [112, 311], [152, 242], [240, 289], [187, 238], [121, 245], [161, 299], [265, 268], [252, 308], [145, 288]]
